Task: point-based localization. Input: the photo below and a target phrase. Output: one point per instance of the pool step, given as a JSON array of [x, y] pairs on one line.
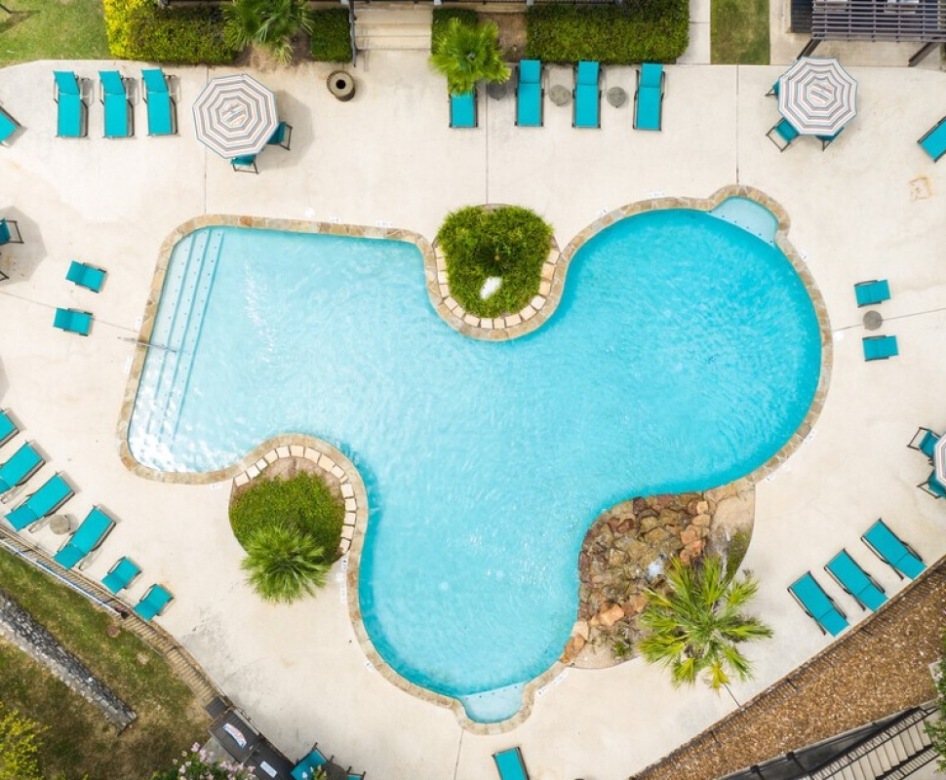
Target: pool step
[[177, 330], [402, 29]]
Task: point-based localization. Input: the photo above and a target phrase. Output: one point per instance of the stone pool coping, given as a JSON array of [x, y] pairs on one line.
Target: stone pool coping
[[536, 313]]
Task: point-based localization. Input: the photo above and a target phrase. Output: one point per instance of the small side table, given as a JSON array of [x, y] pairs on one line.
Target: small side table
[[60, 524], [873, 320], [617, 97], [560, 95]]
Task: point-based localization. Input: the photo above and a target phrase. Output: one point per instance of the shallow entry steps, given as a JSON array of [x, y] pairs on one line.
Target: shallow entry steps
[[178, 326]]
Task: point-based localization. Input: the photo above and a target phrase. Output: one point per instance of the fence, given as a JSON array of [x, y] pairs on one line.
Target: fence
[[182, 662]]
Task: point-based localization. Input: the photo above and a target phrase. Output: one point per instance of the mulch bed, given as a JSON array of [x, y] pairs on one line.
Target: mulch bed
[[876, 669]]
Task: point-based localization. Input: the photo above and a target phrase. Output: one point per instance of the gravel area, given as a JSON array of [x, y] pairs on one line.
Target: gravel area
[[876, 669]]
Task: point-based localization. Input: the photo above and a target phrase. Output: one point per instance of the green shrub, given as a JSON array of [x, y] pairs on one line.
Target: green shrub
[[141, 30], [738, 547], [510, 242], [331, 41], [284, 564], [638, 31], [20, 743], [269, 24], [442, 17], [303, 503]]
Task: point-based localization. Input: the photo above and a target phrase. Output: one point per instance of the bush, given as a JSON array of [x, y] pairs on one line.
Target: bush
[[303, 503], [331, 41], [20, 742], [284, 564], [638, 31], [442, 17], [140, 30], [509, 242]]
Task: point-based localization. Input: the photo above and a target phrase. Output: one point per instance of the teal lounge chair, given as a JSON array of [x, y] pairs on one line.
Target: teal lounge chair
[[54, 492], [463, 110], [529, 94], [880, 347], [924, 440], [245, 164], [153, 602], [845, 571], [8, 126], [10, 232], [871, 293], [119, 118], [85, 275], [587, 95], [649, 97], [19, 467], [782, 134], [8, 428], [282, 136], [73, 321], [934, 142], [354, 776], [933, 486], [510, 765], [162, 110], [819, 606], [305, 769], [72, 120], [893, 551], [87, 537], [121, 575]]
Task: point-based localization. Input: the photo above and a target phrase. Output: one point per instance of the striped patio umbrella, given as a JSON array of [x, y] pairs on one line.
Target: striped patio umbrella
[[235, 115], [817, 96]]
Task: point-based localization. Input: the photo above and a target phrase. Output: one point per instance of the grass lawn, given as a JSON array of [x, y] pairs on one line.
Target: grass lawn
[[739, 32], [80, 741], [52, 30]]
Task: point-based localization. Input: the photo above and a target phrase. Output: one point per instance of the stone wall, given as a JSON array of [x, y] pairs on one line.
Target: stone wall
[[19, 628]]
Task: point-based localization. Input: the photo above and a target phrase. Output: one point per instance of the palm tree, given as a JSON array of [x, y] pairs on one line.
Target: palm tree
[[284, 564], [267, 23], [467, 54], [696, 626]]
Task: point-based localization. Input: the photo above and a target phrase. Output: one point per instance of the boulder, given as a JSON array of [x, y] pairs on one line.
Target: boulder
[[702, 507], [608, 617], [582, 629], [572, 649], [635, 605], [691, 534], [703, 520]]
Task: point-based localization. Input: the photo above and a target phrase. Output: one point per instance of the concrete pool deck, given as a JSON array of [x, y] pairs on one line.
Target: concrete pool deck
[[871, 206]]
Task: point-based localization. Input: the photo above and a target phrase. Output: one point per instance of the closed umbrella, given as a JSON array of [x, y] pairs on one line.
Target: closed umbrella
[[817, 96], [235, 115]]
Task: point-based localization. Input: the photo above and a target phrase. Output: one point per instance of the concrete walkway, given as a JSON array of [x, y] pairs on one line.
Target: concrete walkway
[[871, 206]]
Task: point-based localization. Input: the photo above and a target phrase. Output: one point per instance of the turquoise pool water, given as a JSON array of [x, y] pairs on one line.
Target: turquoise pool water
[[684, 354]]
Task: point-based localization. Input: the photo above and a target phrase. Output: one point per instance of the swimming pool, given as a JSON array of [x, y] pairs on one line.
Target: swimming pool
[[684, 354]]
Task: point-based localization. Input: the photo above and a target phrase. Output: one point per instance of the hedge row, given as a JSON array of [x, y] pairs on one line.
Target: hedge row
[[331, 41], [141, 30], [635, 31]]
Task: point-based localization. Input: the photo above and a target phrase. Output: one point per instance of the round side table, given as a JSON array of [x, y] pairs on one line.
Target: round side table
[[60, 524], [873, 320], [559, 95], [617, 97]]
